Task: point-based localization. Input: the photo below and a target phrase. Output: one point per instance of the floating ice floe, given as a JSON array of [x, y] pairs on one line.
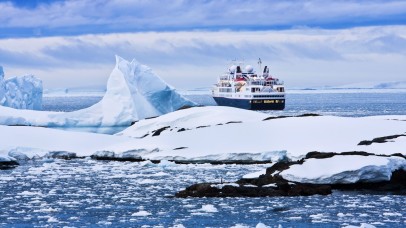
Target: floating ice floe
[[23, 92], [133, 92]]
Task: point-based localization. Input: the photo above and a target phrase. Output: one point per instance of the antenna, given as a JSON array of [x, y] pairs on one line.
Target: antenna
[[259, 63]]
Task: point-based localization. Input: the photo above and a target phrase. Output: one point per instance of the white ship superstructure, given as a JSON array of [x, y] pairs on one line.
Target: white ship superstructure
[[249, 90]]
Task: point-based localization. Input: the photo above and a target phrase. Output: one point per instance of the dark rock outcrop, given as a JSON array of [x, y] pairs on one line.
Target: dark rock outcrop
[[383, 139], [207, 190], [159, 131], [281, 117], [396, 185], [272, 184], [8, 165], [61, 155], [321, 155]]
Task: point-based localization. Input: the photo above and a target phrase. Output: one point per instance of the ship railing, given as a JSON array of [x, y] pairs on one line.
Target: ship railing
[[256, 83]]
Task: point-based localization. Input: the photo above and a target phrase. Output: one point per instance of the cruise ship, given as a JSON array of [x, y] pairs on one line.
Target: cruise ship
[[242, 87]]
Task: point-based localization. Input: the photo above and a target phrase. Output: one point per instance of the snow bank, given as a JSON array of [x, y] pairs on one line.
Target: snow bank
[[344, 169], [23, 92], [215, 134], [190, 135], [254, 175], [198, 117], [133, 92]]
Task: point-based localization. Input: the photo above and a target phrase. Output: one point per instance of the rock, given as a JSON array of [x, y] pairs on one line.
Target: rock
[[281, 117], [61, 155], [273, 184], [283, 189], [383, 139], [159, 131], [8, 165], [396, 185], [321, 155], [132, 156]]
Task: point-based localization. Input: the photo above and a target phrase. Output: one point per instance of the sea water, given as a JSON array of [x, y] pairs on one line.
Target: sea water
[[84, 192], [355, 103]]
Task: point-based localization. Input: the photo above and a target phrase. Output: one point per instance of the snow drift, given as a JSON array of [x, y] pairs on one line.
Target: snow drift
[[23, 92], [344, 169], [220, 134], [133, 92]]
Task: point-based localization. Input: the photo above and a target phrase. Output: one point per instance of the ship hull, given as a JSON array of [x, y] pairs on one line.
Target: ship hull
[[252, 104]]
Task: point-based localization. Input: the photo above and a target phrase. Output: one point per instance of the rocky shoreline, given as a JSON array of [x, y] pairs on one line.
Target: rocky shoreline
[[273, 184]]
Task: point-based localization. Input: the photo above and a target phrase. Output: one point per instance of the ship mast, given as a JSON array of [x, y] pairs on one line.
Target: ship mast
[[259, 64]]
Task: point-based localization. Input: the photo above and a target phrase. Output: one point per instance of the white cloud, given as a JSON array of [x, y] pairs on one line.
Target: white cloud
[[300, 57]]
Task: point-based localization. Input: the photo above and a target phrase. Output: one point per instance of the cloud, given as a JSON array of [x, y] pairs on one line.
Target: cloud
[[72, 17], [301, 57]]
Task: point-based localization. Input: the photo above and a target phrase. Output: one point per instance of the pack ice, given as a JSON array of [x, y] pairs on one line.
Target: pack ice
[[23, 92], [133, 92]]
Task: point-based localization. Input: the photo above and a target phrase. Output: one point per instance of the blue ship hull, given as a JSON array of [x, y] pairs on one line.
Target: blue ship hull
[[252, 104]]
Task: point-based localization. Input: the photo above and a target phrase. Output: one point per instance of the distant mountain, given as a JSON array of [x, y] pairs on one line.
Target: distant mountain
[[374, 85]]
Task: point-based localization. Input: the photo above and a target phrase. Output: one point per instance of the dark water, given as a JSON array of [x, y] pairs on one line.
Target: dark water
[[95, 193], [68, 104]]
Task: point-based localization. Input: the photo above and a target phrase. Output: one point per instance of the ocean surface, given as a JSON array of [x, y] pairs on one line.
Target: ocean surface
[[84, 193], [354, 102], [88, 193]]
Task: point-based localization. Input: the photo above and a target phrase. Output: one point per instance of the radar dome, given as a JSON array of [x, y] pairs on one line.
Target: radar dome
[[232, 68], [249, 68]]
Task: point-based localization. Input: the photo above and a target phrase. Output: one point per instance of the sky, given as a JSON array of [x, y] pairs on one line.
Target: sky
[[189, 43]]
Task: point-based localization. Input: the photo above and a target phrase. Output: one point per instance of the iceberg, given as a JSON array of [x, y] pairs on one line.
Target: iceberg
[[23, 92], [133, 92]]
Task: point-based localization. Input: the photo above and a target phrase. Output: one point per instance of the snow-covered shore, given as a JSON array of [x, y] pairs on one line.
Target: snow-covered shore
[[225, 134], [219, 133]]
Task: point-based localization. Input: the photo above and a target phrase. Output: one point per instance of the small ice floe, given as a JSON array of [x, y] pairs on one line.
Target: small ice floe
[[46, 210], [240, 226], [148, 181], [257, 211], [52, 219], [28, 193], [208, 208], [141, 214], [166, 163], [220, 186], [273, 185], [250, 186], [391, 214], [386, 198], [317, 216], [178, 226], [344, 215], [261, 225], [295, 218], [254, 175], [363, 225]]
